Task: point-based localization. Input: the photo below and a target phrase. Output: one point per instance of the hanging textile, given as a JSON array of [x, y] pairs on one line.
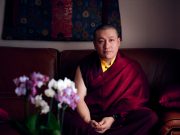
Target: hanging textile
[[58, 20]]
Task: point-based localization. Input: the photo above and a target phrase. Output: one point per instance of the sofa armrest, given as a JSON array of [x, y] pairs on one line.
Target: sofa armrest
[[175, 132], [171, 124]]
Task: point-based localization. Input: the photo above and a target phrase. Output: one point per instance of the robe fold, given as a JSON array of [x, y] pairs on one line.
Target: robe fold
[[121, 89]]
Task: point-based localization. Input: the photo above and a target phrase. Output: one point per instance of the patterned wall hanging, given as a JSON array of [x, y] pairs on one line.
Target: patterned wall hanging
[[57, 20]]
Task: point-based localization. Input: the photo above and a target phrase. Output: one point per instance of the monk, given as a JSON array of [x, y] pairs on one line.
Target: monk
[[113, 92]]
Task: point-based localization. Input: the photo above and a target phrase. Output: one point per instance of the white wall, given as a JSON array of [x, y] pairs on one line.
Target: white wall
[[145, 24], [148, 23], [177, 24]]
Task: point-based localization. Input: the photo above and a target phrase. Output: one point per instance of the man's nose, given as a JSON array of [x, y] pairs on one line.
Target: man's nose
[[107, 44]]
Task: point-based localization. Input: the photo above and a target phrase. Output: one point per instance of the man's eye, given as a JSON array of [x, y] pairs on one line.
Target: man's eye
[[100, 41], [111, 40]]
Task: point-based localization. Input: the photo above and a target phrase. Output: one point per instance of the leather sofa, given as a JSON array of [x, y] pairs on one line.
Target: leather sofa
[[161, 66], [16, 62]]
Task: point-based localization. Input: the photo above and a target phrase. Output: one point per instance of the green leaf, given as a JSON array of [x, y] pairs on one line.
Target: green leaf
[[53, 122], [32, 124], [40, 125], [56, 132]]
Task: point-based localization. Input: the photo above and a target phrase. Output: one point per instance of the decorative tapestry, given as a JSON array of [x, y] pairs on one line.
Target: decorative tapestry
[[58, 20]]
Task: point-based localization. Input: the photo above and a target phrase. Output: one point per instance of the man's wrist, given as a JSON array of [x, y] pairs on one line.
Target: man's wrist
[[116, 116]]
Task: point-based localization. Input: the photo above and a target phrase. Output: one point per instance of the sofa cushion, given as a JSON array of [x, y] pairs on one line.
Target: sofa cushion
[[171, 97]]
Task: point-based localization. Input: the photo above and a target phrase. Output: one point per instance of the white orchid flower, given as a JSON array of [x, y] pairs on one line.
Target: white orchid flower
[[71, 84], [39, 84], [61, 85], [63, 91], [49, 93], [74, 90], [37, 100], [44, 107], [52, 84], [68, 82]]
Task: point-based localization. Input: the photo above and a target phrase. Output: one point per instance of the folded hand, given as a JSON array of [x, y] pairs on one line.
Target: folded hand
[[102, 125]]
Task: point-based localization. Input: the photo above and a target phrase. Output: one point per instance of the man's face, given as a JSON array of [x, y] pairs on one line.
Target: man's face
[[107, 44]]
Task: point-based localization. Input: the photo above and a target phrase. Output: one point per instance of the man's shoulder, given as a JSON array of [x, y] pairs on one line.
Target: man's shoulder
[[130, 61]]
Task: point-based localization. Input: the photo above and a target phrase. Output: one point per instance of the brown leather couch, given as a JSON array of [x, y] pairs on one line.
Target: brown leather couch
[[161, 66]]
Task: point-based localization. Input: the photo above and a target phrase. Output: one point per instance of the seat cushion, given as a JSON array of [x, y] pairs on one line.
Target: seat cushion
[[171, 97]]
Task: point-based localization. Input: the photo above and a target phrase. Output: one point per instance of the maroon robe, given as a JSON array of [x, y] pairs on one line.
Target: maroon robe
[[122, 89]]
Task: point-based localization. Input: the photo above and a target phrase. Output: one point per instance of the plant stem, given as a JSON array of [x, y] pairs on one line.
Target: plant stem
[[26, 107], [58, 117], [50, 109], [62, 116]]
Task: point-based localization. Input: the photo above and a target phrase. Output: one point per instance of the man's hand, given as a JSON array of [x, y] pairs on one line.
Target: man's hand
[[102, 125]]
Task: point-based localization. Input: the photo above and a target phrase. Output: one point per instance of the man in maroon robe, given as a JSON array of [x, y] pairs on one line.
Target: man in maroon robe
[[113, 92]]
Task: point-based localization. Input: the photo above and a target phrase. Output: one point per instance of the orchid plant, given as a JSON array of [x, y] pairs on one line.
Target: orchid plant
[[63, 91]]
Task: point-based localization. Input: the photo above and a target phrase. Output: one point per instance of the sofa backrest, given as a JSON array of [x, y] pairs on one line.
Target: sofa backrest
[[69, 60], [161, 66], [15, 62]]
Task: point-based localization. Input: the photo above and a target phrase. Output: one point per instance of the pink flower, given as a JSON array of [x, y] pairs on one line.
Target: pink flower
[[21, 83], [63, 91], [67, 96], [28, 86]]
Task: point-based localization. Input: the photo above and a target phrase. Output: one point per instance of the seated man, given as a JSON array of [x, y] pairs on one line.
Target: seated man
[[113, 92]]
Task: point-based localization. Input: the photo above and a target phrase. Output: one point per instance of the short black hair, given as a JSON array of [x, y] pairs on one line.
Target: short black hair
[[103, 27]]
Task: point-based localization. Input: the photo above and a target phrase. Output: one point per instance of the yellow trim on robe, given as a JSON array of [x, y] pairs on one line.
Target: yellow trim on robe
[[105, 65]]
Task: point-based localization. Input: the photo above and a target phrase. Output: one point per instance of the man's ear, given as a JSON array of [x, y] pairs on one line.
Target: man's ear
[[94, 42], [119, 40]]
